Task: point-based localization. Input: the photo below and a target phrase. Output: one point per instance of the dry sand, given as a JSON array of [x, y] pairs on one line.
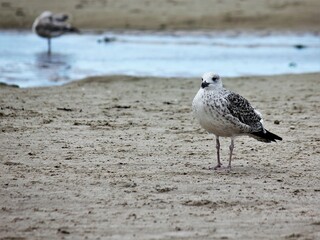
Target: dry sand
[[302, 15], [123, 158]]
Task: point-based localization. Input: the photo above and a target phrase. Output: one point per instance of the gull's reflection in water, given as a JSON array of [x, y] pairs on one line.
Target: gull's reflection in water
[[54, 69]]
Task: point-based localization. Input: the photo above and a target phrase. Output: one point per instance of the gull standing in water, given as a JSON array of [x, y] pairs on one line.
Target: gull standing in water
[[227, 114], [49, 25]]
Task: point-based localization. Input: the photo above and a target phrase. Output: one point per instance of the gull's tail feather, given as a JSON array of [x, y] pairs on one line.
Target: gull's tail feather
[[265, 136]]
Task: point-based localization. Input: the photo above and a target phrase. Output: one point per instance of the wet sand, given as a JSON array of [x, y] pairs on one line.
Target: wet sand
[[301, 15], [122, 158]]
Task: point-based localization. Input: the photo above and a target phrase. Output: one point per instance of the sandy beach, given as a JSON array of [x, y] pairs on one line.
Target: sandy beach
[[123, 158], [270, 15]]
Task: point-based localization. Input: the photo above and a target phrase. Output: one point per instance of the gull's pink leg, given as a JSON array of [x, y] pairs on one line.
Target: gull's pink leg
[[231, 150], [219, 165]]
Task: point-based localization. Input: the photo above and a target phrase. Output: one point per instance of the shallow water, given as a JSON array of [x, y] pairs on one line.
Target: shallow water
[[24, 60]]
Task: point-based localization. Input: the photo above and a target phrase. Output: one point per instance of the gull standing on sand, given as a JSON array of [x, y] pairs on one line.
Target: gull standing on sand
[[49, 25], [227, 114]]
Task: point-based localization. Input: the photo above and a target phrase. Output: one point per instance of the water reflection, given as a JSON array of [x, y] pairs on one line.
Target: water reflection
[[54, 68]]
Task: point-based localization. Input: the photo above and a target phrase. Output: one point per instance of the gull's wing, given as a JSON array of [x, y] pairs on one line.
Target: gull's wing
[[50, 30], [241, 109]]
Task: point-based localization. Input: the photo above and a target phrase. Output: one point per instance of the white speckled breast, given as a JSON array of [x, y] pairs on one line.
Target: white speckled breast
[[210, 110]]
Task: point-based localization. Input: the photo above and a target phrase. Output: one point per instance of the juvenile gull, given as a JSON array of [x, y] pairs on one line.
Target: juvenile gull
[[227, 114], [49, 25]]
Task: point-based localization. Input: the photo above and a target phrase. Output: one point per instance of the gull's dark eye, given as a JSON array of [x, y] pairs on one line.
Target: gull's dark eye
[[215, 77]]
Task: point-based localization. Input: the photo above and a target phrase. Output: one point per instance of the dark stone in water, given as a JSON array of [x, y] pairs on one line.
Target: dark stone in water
[[106, 40], [300, 46], [292, 64]]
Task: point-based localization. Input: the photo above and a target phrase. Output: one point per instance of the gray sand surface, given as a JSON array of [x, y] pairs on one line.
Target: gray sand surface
[[123, 158]]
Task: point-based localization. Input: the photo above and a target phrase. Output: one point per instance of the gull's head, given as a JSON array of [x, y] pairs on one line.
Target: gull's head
[[45, 14], [211, 81]]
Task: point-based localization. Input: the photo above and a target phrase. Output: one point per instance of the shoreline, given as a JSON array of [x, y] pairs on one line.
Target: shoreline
[[110, 79], [229, 32]]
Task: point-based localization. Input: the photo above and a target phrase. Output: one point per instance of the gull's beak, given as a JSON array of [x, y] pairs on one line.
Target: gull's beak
[[204, 84]]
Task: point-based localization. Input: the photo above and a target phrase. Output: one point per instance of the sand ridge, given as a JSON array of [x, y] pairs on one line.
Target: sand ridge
[[298, 15]]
